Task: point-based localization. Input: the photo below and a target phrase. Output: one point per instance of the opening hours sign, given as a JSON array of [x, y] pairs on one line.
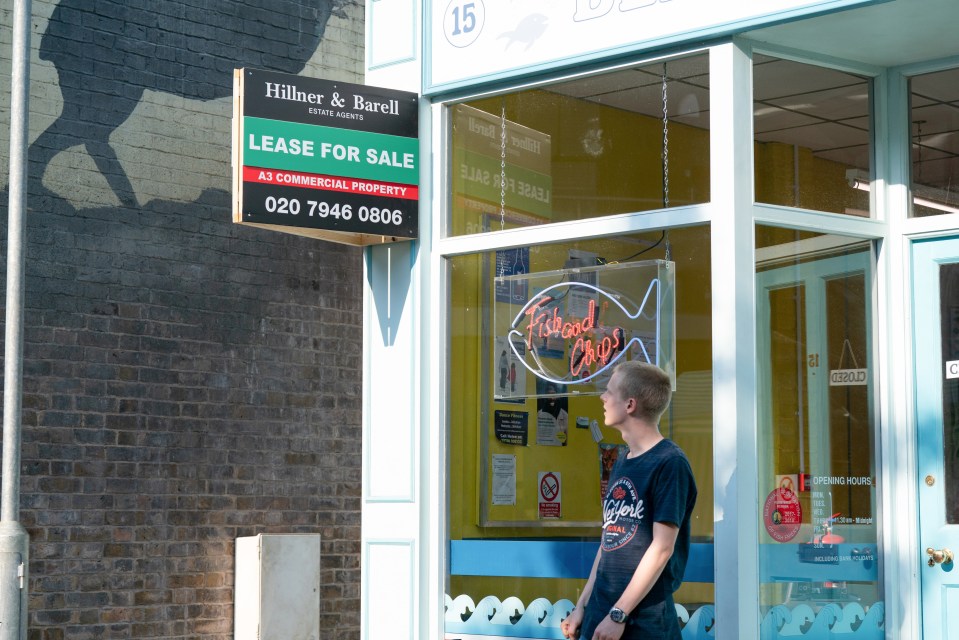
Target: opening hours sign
[[329, 160]]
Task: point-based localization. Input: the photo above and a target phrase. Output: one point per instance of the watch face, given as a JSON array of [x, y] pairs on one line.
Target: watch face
[[617, 615]]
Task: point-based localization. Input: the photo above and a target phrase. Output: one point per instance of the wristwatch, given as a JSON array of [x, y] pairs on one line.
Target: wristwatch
[[617, 615]]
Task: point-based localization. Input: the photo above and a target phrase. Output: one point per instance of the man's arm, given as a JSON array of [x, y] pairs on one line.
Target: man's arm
[[571, 624], [646, 574]]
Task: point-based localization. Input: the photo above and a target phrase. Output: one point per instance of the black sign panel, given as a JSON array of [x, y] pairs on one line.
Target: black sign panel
[[512, 427], [348, 212], [280, 96]]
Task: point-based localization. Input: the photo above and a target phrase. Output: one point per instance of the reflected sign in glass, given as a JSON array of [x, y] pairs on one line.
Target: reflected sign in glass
[[575, 325], [499, 164]]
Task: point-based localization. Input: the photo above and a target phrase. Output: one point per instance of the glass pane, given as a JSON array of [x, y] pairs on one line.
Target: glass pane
[[934, 118], [513, 548], [788, 399], [581, 149], [813, 137], [817, 467], [949, 311]]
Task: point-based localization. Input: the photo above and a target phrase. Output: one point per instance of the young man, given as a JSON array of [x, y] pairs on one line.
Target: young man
[[649, 500]]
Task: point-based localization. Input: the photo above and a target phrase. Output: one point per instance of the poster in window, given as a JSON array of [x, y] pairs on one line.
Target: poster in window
[[552, 414]]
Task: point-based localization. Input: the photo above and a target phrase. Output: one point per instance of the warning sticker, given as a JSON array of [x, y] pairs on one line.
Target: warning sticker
[[550, 495]]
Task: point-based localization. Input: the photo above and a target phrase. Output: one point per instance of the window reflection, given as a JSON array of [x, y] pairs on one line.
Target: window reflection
[[817, 479], [813, 137], [949, 321], [934, 122], [583, 148]]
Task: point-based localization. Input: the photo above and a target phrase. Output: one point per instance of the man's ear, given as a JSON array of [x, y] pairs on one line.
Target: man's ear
[[631, 405]]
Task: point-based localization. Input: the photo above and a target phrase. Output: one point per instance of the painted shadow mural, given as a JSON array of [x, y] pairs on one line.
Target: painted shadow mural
[[108, 53], [187, 381]]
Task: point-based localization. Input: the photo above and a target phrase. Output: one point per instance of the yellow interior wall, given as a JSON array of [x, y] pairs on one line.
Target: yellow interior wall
[[626, 178], [690, 250], [819, 185]]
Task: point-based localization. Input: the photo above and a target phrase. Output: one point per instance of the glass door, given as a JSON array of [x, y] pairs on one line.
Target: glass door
[[817, 473]]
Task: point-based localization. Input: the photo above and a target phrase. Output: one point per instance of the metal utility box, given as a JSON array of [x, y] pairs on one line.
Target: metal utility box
[[277, 589]]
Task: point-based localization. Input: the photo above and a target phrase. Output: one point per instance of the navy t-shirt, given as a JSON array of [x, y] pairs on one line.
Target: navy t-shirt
[[656, 486]]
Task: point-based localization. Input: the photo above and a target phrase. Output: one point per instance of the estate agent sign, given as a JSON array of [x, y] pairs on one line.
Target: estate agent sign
[[330, 160]]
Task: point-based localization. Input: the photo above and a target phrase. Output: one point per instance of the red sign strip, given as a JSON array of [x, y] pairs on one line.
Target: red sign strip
[[330, 183]]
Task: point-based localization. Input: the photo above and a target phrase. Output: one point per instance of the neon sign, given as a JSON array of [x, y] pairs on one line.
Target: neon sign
[[577, 324]]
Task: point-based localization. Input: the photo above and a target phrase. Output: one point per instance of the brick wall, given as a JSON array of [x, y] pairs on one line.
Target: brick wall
[[186, 380]]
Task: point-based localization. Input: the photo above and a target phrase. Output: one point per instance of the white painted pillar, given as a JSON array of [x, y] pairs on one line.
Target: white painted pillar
[[391, 507], [396, 596], [734, 344], [897, 423], [392, 49]]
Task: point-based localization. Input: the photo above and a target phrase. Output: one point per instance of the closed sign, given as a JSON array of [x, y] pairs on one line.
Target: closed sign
[[847, 377]]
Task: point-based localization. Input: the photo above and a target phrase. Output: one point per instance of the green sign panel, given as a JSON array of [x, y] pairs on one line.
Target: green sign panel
[[329, 151]]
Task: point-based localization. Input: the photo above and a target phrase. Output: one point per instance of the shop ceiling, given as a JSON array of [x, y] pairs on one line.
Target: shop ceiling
[[891, 34], [824, 110], [888, 34]]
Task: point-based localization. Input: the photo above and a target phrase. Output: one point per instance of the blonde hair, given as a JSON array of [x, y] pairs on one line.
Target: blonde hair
[[649, 385]]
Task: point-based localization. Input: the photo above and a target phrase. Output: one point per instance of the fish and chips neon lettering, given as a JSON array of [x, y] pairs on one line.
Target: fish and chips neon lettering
[[544, 326], [589, 348], [585, 354]]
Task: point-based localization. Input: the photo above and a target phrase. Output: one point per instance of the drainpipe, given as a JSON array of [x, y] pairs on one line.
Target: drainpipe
[[14, 540]]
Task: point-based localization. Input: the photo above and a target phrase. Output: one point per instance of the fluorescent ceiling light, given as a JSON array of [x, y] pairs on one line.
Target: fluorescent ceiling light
[[859, 180]]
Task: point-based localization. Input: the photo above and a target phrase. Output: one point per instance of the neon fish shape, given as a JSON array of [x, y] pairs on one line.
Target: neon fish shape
[[588, 349]]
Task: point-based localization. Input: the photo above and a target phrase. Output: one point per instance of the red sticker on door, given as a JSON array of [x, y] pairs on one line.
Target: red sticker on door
[[782, 514]]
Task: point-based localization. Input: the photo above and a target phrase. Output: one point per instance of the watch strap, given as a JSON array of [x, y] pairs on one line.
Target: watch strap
[[617, 615]]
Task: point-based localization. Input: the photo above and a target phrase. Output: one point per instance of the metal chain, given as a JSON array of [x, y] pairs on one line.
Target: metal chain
[[666, 155], [502, 170], [665, 142], [919, 151]]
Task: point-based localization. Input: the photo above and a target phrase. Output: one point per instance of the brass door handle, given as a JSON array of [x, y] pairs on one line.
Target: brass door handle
[[939, 556]]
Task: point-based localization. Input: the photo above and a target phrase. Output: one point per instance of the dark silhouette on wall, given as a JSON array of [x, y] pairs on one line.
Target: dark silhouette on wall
[[187, 380], [189, 50]]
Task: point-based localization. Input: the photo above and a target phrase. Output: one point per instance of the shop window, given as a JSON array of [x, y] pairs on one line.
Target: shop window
[[582, 149], [934, 121], [813, 131], [519, 557], [818, 552]]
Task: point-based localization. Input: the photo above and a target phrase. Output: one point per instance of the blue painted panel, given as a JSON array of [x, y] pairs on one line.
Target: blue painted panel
[[511, 619], [550, 559], [803, 563]]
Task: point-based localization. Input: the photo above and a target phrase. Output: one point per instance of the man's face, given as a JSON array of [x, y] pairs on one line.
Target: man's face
[[614, 406]]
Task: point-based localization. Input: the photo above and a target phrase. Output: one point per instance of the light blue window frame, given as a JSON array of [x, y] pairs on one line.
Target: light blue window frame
[[732, 214]]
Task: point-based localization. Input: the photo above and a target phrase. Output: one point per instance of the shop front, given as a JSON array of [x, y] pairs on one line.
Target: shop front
[[761, 200]]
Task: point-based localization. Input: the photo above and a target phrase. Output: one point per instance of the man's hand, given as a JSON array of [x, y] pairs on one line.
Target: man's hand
[[570, 626], [609, 630]]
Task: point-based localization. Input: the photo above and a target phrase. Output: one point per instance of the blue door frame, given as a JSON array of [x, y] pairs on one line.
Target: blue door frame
[[935, 267]]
